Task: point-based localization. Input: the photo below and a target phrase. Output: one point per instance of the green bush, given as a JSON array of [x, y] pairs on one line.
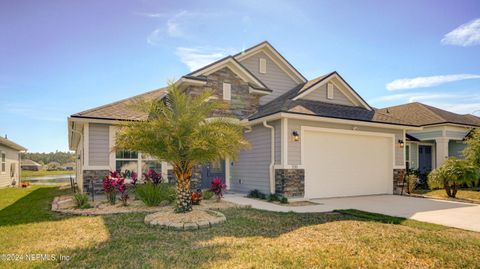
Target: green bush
[[257, 194], [152, 195], [81, 200], [207, 194], [284, 200], [452, 174], [274, 197]]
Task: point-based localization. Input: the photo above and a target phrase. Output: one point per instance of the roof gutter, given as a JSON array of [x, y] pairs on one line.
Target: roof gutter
[[272, 157]]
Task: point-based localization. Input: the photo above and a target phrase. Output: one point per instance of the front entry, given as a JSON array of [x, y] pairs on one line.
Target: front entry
[[424, 159], [212, 170]]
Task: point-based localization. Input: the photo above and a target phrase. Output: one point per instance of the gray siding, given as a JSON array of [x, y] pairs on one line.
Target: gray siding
[[320, 94], [251, 169], [98, 148], [278, 140], [11, 157], [275, 79], [456, 134], [455, 149], [294, 147]]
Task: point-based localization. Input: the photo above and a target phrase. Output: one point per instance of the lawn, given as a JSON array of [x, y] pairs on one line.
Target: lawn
[[249, 239], [43, 173], [472, 195]]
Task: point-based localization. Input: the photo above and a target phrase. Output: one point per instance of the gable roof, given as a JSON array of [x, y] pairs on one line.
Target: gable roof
[[278, 58], [29, 163], [8, 143], [236, 67], [424, 115], [313, 84], [121, 110], [288, 104]]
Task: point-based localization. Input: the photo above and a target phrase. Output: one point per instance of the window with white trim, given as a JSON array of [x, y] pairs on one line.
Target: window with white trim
[[262, 68], [4, 162], [329, 91], [126, 161], [227, 91]]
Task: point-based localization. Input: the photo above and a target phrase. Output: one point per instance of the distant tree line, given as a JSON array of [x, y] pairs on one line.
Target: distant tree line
[[45, 158]]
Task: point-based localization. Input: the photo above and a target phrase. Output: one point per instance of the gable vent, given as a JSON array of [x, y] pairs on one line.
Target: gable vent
[[329, 91], [262, 69]]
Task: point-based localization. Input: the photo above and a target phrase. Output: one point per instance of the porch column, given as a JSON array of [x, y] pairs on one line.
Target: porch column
[[441, 150]]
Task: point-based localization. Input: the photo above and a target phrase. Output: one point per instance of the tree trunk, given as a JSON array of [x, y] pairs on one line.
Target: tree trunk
[[448, 190], [184, 201], [454, 190]]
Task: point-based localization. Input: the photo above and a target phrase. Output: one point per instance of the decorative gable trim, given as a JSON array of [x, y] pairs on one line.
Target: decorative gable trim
[[232, 64], [354, 97], [276, 57]]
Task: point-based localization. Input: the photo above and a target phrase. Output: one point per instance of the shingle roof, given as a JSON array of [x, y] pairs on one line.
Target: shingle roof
[[29, 163], [421, 114], [121, 110], [285, 103], [8, 143]]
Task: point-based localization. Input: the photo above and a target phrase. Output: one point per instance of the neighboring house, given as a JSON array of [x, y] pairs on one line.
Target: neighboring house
[[9, 162], [310, 138], [30, 165], [442, 136], [69, 166]]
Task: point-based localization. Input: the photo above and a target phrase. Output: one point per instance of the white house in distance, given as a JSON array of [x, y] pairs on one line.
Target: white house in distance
[[9, 162]]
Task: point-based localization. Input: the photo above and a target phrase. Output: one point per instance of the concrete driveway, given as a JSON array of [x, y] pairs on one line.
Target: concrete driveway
[[454, 214]]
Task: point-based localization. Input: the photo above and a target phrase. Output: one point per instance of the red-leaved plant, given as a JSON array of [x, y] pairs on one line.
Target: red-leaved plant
[[218, 187], [113, 183], [153, 177]]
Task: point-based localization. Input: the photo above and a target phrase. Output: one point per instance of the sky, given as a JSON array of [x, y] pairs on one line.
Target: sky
[[61, 57]]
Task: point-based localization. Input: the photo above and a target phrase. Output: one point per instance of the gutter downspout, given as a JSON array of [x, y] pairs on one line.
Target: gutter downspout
[[76, 168], [272, 159]]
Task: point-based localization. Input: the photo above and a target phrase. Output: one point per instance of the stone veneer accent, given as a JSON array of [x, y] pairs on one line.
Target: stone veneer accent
[[398, 180], [96, 176], [290, 182], [242, 103]]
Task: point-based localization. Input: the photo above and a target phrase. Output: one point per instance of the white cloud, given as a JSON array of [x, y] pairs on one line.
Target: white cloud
[[467, 34], [184, 24], [198, 57], [424, 82], [28, 111]]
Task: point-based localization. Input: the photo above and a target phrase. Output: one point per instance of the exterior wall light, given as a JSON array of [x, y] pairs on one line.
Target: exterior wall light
[[296, 136], [400, 141]]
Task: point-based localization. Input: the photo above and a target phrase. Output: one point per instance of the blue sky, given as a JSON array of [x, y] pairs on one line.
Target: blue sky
[[61, 57]]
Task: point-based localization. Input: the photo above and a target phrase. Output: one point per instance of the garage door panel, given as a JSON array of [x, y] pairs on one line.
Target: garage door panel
[[344, 164]]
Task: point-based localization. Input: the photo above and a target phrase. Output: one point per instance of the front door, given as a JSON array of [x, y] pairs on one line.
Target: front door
[[425, 159], [212, 170]]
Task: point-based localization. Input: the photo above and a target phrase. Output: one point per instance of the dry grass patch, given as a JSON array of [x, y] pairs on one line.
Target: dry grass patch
[[470, 195]]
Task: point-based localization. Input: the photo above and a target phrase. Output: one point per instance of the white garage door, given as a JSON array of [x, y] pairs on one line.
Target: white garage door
[[347, 163]]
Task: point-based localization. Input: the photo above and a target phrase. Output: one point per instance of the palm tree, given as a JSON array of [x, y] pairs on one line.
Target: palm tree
[[180, 131]]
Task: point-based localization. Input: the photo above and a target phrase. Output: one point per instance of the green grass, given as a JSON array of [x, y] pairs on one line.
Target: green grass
[[249, 239], [43, 173], [463, 194]]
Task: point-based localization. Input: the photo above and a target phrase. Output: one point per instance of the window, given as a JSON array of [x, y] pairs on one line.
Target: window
[[262, 69], [329, 91], [227, 91], [126, 161], [4, 162], [155, 165]]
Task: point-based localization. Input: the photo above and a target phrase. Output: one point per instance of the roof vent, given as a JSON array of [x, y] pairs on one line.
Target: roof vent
[[6, 136]]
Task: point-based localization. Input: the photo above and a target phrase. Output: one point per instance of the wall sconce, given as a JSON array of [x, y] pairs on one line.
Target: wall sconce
[[296, 136], [400, 141]]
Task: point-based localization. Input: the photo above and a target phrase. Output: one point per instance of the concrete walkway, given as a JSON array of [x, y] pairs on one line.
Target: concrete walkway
[[454, 214]]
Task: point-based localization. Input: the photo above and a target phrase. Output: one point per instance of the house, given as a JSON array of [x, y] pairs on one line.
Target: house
[[310, 138], [9, 162], [70, 166], [443, 134], [30, 165]]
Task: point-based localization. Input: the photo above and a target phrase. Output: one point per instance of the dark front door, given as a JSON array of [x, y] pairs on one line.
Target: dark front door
[[212, 170], [425, 159]]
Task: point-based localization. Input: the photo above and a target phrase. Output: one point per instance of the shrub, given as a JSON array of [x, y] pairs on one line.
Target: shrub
[[217, 187], [274, 197], [152, 194], [207, 194], [197, 197], [452, 174], [257, 194], [153, 177], [284, 200], [411, 181], [81, 200]]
